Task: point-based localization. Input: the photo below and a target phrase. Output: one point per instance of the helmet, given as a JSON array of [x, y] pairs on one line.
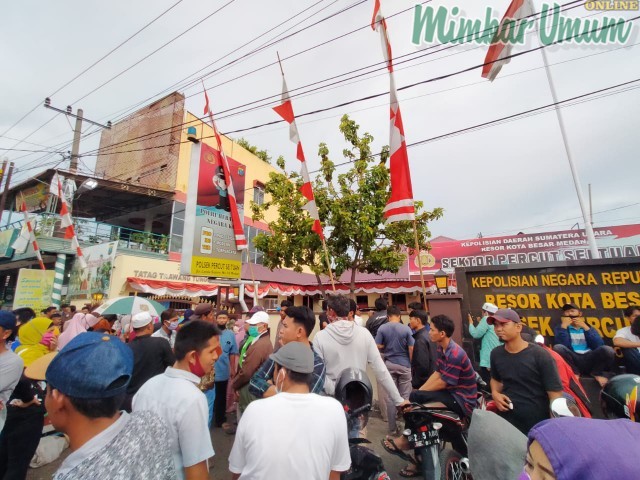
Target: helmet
[[353, 389], [620, 397]]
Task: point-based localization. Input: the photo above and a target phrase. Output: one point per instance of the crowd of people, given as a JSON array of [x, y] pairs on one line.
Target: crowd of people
[[152, 390]]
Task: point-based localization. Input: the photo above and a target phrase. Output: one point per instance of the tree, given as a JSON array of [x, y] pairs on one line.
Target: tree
[[261, 154], [351, 207], [291, 243], [360, 241]]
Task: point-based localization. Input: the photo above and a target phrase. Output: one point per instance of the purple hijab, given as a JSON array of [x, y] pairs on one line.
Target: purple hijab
[[588, 449]]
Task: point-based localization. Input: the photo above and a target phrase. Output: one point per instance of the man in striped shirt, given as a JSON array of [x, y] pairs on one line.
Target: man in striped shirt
[[454, 381]]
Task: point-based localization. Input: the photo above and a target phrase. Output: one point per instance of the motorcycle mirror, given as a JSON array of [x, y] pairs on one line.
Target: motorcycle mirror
[[560, 408]]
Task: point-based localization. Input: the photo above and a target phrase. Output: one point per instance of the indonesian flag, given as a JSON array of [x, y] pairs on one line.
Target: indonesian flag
[[499, 51], [241, 241], [400, 205], [67, 223], [285, 110], [27, 235]]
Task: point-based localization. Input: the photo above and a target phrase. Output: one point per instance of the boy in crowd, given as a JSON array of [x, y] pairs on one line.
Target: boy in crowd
[[175, 398]]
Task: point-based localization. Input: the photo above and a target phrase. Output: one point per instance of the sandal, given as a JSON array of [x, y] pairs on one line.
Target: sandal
[[406, 472], [394, 450]]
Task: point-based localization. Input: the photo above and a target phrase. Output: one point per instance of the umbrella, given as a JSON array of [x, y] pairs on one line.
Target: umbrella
[[130, 306]]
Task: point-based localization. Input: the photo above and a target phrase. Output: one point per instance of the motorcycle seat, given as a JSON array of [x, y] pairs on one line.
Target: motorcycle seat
[[445, 414]]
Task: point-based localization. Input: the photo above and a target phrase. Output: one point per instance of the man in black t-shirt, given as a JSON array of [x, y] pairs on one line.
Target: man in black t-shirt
[[379, 318], [524, 377]]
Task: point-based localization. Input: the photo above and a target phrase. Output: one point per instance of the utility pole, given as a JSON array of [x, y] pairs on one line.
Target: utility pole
[[77, 131]]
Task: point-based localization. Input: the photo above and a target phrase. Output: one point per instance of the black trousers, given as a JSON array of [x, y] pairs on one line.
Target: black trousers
[[594, 362], [18, 443], [442, 396], [220, 403]]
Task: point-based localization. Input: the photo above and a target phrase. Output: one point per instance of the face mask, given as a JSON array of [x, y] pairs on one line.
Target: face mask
[[279, 389], [524, 475], [253, 331], [196, 368], [173, 326]]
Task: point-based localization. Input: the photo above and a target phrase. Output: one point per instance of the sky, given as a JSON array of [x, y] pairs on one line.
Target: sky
[[499, 180]]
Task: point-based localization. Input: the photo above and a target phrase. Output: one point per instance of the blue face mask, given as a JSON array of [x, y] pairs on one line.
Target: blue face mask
[[524, 475], [253, 331]]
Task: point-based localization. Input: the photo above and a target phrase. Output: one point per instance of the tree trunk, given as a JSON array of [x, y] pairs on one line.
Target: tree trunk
[[321, 285]]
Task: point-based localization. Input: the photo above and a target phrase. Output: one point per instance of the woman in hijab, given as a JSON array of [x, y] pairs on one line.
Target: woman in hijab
[[21, 434], [80, 323], [572, 448], [37, 338]]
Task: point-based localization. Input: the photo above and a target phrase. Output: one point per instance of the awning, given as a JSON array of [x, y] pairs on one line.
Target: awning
[[164, 287]]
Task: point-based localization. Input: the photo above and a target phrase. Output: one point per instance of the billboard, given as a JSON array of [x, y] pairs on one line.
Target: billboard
[[96, 278], [602, 289], [36, 198], [622, 241], [7, 237], [144, 147], [33, 289], [209, 246]]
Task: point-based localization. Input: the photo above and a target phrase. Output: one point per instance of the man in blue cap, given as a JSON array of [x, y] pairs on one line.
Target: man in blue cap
[[86, 385]]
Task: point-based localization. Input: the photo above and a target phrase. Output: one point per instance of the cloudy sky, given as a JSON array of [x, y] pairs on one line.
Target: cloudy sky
[[497, 180]]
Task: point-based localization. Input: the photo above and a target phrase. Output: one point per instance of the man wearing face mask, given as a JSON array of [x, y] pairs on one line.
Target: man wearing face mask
[[151, 356], [254, 352], [169, 325], [225, 367], [294, 422], [175, 397]]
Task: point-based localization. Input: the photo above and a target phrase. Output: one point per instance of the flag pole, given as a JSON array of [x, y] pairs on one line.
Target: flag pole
[[424, 289], [324, 243], [588, 228]]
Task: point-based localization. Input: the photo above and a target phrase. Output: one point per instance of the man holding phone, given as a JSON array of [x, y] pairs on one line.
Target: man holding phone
[[582, 346]]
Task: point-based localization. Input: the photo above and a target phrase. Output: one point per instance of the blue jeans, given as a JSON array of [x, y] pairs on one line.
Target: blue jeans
[[211, 398], [631, 360]]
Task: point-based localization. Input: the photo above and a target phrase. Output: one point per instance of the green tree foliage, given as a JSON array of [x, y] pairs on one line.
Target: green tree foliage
[[261, 154], [350, 206]]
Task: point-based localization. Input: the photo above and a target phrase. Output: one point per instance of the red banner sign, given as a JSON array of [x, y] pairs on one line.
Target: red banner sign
[[613, 242]]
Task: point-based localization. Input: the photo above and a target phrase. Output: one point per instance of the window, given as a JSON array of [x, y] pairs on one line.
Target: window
[[252, 254], [177, 227], [258, 193], [362, 301], [399, 300]]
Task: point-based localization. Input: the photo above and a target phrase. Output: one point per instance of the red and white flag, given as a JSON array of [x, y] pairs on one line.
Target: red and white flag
[[238, 232], [400, 205], [285, 110], [27, 236], [499, 51], [66, 222]]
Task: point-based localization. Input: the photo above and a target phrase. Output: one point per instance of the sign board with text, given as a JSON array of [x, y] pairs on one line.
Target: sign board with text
[[602, 289], [209, 246], [33, 289], [622, 241]]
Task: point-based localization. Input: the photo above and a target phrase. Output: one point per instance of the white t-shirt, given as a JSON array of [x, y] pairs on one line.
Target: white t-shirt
[[290, 435], [174, 396], [626, 334], [169, 338]]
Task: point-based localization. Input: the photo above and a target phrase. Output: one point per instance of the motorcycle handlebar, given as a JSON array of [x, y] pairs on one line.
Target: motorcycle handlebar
[[358, 411]]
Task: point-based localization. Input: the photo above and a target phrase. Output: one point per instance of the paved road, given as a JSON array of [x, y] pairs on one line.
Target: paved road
[[222, 444]]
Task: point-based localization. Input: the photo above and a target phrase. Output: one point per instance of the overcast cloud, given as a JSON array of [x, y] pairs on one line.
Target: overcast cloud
[[502, 179]]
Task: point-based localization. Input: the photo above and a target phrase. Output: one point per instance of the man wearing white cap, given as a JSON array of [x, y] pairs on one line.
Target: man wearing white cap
[[483, 331], [307, 433], [253, 353], [151, 355]]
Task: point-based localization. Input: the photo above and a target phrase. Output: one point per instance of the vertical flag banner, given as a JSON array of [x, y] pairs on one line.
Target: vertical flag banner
[[400, 205], [495, 58], [67, 223], [213, 231], [27, 235], [285, 110]]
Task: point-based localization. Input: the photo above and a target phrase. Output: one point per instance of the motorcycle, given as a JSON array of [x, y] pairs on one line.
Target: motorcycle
[[354, 392], [427, 430]]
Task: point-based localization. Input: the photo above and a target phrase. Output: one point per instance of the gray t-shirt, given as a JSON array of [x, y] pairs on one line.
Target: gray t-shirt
[[396, 338], [11, 366], [135, 446]]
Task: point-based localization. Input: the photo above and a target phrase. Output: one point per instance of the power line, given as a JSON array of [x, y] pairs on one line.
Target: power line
[[90, 67], [154, 51], [293, 95]]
